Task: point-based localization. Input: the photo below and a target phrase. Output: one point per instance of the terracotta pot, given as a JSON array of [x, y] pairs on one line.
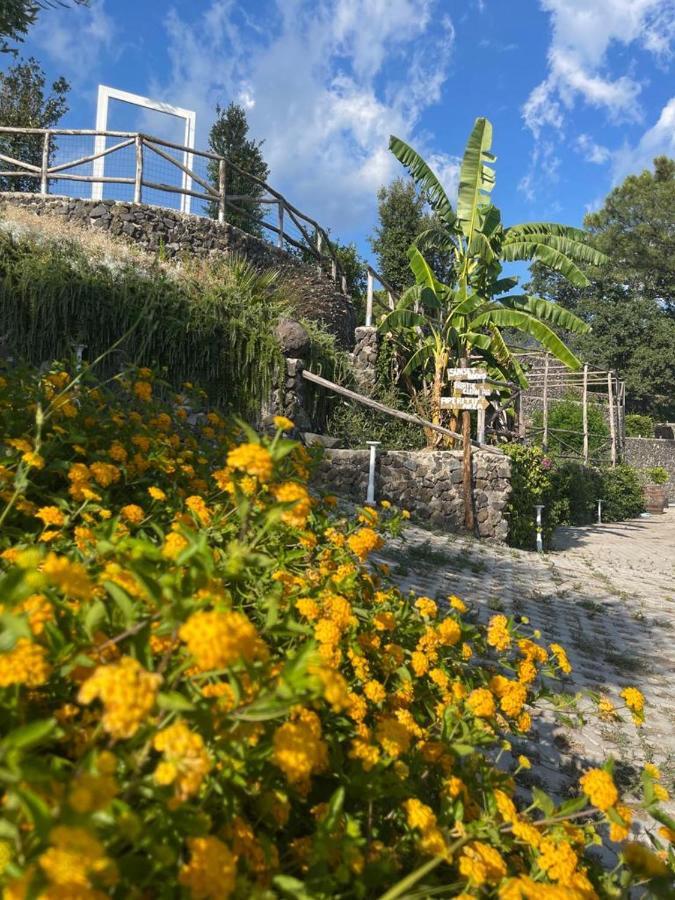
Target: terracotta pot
[[656, 497]]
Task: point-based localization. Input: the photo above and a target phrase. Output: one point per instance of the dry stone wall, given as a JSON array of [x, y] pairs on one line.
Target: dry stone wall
[[643, 453], [176, 234], [429, 484]]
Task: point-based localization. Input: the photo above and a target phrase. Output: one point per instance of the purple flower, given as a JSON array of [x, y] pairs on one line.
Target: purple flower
[[546, 462]]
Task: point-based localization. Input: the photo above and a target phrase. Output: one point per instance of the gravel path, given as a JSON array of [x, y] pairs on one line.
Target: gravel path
[[607, 594]]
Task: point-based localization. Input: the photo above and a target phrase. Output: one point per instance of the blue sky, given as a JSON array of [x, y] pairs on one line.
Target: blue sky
[[580, 92]]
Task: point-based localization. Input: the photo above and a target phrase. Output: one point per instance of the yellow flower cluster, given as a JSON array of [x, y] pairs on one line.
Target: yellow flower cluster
[[251, 459], [75, 863], [498, 635], [297, 495], [217, 640], [421, 817], [363, 542], [25, 663], [298, 749], [635, 702], [186, 761], [481, 864], [128, 694], [599, 787], [210, 873]]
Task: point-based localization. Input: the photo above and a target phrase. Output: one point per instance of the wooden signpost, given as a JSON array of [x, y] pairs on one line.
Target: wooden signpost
[[471, 393], [464, 403], [467, 374]]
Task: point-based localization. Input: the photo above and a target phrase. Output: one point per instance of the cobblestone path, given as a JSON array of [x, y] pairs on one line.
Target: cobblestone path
[[607, 594]]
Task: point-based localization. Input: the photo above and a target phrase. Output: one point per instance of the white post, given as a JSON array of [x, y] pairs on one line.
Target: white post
[[369, 300], [612, 426], [600, 512], [221, 191], [280, 209], [481, 425], [333, 270], [370, 496], [391, 300], [343, 284], [138, 181], [584, 413], [44, 189], [545, 410], [540, 539]]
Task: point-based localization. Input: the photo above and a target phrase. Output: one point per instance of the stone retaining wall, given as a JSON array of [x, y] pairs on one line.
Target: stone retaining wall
[[154, 228], [644, 453], [429, 484]]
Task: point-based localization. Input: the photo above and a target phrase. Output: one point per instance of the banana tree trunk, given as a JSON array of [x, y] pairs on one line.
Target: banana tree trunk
[[441, 362]]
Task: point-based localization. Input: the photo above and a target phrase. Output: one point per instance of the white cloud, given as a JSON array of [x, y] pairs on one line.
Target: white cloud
[[592, 152], [656, 141], [324, 84], [76, 39], [583, 31]]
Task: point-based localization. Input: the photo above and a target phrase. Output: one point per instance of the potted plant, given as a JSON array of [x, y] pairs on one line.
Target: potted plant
[[655, 490]]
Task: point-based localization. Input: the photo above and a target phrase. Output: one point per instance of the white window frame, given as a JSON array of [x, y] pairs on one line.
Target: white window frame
[[105, 95]]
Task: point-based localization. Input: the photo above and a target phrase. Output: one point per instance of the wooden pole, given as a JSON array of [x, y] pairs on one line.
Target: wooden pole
[[612, 426], [521, 415], [545, 410], [467, 474], [480, 433], [44, 184], [369, 300], [138, 182], [333, 270], [584, 412]]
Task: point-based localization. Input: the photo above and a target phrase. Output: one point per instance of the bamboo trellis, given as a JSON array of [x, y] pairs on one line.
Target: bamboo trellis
[[313, 238], [549, 381]]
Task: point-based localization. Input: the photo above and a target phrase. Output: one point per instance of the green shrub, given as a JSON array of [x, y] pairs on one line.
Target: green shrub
[[565, 428], [639, 426], [531, 484], [621, 493], [657, 475], [577, 489], [354, 424]]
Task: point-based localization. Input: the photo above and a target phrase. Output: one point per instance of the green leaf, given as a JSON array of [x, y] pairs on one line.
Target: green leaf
[[425, 178], [174, 702], [335, 806], [542, 801], [29, 735], [476, 179], [512, 318], [122, 601], [546, 311], [95, 614], [573, 806], [13, 628], [291, 887]]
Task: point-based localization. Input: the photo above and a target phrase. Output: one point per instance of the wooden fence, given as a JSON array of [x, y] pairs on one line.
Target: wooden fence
[[310, 238]]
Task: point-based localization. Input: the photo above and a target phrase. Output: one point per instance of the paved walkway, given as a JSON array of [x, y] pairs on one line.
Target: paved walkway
[[607, 594]]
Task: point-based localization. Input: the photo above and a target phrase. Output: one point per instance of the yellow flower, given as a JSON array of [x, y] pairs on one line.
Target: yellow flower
[[506, 806], [295, 494], [363, 542], [156, 493], [481, 703], [33, 460], [199, 509], [606, 708], [25, 664], [561, 658], [426, 607], [74, 862], [384, 621], [620, 832], [374, 691], [419, 815], [70, 577], [174, 544], [643, 861], [448, 632], [211, 872], [127, 692], [283, 424], [635, 702], [252, 459], [132, 513], [299, 750], [50, 515], [143, 391], [216, 640], [524, 762], [457, 604], [599, 787], [105, 474], [498, 633], [186, 762], [481, 864]]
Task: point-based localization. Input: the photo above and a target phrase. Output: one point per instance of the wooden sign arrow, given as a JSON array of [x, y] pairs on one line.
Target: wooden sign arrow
[[464, 403], [468, 374], [473, 389]]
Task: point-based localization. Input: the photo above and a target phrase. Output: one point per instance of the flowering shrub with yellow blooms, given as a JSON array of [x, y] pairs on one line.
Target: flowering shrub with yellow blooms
[[209, 688]]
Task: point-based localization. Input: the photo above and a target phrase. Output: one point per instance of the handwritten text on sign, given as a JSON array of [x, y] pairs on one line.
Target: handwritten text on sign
[[468, 374], [473, 389], [464, 403]]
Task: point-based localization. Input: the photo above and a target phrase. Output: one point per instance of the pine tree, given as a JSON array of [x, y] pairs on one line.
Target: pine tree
[[229, 138], [24, 103]]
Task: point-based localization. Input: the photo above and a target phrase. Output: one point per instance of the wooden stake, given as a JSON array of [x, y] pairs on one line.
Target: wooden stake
[[467, 474], [221, 191], [584, 412], [44, 190], [138, 181], [612, 426], [545, 422]]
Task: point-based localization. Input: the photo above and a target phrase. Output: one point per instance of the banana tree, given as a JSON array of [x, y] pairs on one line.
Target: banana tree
[[433, 322], [462, 322]]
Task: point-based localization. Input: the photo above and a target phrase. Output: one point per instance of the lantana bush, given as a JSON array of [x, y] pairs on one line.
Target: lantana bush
[[210, 689]]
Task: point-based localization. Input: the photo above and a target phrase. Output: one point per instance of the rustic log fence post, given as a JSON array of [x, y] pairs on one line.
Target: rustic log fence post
[[612, 425], [44, 180], [369, 299], [280, 211], [545, 409], [584, 412], [319, 244], [138, 180]]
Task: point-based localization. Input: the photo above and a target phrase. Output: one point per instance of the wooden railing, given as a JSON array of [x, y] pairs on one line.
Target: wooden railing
[[313, 239]]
